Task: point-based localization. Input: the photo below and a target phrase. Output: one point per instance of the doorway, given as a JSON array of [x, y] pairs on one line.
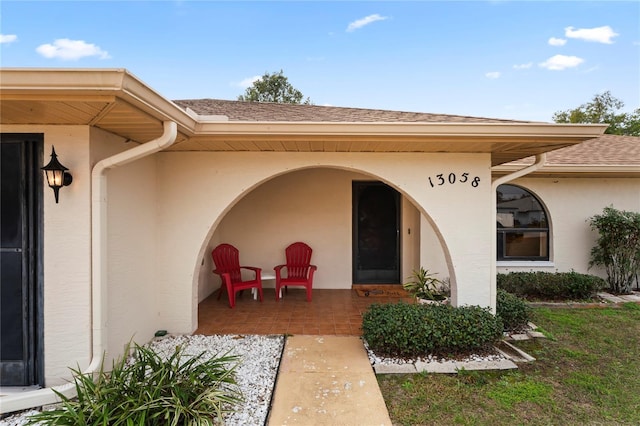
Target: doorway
[[20, 259], [376, 233]]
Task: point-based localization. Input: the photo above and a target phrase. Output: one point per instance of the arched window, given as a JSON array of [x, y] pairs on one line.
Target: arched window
[[523, 228]]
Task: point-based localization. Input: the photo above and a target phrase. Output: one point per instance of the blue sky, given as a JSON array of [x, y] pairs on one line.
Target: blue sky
[[502, 59]]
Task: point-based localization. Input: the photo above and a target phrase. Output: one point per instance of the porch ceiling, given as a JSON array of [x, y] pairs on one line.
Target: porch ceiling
[[117, 102]]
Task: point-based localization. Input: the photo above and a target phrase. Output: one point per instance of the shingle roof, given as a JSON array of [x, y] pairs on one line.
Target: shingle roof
[[606, 150], [266, 111]]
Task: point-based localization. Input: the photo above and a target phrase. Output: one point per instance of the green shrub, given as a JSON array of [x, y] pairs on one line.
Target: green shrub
[[147, 389], [551, 286], [410, 330], [617, 248], [512, 310]]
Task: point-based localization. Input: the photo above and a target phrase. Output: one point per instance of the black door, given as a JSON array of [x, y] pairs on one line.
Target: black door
[[376, 236], [20, 259]]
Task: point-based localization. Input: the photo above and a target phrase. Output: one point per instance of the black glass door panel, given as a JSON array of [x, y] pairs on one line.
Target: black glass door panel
[[376, 239], [20, 268]]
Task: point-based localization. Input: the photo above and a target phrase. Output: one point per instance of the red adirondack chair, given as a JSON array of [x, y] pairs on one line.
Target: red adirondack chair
[[299, 271], [227, 261]]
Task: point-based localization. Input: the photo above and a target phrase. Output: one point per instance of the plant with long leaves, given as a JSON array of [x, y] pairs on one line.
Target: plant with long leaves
[[424, 285], [149, 389]]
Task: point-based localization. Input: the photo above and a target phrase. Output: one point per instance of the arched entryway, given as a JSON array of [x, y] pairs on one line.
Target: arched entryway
[[312, 205]]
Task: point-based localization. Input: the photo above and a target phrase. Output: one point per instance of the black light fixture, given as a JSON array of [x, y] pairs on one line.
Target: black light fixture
[[57, 174]]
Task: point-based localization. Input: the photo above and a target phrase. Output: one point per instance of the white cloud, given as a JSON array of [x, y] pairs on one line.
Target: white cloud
[[561, 62], [248, 82], [598, 34], [493, 74], [357, 24], [66, 49], [7, 38], [523, 66], [553, 41]]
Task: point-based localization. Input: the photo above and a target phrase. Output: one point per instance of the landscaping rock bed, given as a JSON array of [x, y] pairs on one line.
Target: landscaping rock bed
[[255, 376]]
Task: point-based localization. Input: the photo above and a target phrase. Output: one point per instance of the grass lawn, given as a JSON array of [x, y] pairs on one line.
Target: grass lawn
[[586, 373]]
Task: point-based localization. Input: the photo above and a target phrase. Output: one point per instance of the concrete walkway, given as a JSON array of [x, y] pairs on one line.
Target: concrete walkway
[[633, 297], [326, 380]]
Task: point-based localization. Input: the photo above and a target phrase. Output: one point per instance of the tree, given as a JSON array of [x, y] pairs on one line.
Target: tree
[[273, 88], [603, 108], [617, 247]]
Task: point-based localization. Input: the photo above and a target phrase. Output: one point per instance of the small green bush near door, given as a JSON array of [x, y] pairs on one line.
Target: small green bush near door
[[513, 311], [410, 330], [551, 286]]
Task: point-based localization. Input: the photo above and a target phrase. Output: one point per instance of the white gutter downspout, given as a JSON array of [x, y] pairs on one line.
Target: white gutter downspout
[[538, 164], [40, 397]]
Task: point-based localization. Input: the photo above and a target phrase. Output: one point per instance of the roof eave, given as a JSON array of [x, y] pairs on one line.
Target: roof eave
[[92, 83], [583, 170], [506, 141]]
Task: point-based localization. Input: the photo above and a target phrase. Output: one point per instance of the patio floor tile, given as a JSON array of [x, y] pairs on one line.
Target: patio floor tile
[[331, 312]]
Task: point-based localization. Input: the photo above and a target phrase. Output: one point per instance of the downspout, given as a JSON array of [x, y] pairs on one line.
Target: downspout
[[45, 396], [538, 164]]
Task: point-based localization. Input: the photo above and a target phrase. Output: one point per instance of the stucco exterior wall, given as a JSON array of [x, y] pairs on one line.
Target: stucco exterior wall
[[67, 251], [570, 202], [131, 228], [432, 257], [198, 189], [310, 205]]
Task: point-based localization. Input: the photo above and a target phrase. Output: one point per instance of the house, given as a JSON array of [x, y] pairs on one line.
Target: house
[[157, 184]]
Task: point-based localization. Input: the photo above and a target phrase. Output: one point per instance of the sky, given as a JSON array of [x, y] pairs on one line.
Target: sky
[[522, 60]]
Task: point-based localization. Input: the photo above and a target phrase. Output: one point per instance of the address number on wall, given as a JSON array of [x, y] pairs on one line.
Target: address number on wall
[[453, 178]]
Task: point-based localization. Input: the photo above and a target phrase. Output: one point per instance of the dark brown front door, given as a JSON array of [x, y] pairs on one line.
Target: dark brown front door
[[376, 237]]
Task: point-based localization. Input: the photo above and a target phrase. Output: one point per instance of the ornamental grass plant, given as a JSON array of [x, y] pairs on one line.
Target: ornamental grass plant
[[152, 390]]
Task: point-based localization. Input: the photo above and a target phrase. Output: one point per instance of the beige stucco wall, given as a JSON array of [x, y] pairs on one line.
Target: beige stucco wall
[[197, 190], [131, 229], [167, 211], [310, 205], [570, 202], [67, 253], [432, 257], [132, 307]]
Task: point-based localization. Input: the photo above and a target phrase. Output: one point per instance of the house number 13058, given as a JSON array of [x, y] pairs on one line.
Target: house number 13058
[[452, 178]]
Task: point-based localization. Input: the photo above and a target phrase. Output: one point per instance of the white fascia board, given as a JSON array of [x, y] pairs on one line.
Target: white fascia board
[[478, 130]]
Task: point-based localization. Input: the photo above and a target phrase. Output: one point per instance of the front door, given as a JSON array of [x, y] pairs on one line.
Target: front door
[[20, 259], [376, 233]]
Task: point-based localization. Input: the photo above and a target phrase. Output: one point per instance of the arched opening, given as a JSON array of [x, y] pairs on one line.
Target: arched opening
[[313, 205]]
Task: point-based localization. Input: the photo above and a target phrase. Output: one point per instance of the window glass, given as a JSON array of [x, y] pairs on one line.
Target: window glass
[[523, 230]]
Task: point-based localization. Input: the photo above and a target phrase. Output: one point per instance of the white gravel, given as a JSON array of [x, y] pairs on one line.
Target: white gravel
[[255, 375], [376, 359]]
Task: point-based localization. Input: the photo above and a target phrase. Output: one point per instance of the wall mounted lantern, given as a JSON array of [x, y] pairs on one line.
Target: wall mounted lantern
[[57, 174]]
